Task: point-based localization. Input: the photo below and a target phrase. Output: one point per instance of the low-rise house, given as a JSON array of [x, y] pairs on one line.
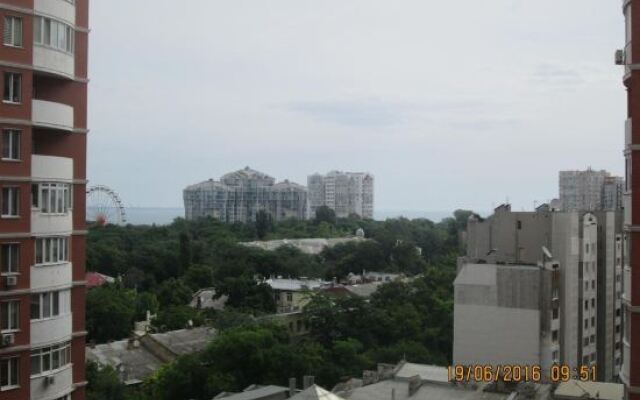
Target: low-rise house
[[291, 295], [255, 392], [138, 357], [205, 299], [589, 391]]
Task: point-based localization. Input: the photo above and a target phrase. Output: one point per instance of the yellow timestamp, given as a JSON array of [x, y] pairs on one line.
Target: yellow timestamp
[[521, 373]]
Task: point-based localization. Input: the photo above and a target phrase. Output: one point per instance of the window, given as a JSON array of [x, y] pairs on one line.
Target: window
[[585, 360], [12, 31], [593, 284], [586, 248], [592, 339], [586, 304], [45, 305], [593, 303], [12, 87], [52, 250], [555, 355], [9, 373], [9, 258], [555, 313], [289, 296], [50, 359], [554, 336], [49, 32], [11, 144], [10, 201], [586, 323], [593, 321], [586, 286], [9, 316], [585, 342], [51, 198]]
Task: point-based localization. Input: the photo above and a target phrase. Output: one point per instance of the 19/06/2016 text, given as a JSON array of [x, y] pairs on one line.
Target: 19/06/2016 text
[[520, 373]]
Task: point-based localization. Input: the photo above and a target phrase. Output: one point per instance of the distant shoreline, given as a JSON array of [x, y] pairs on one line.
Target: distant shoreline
[[166, 215]]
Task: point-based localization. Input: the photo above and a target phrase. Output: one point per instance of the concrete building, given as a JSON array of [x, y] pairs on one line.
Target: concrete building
[[630, 58], [137, 358], [240, 195], [43, 129], [589, 251], [590, 190], [344, 192], [307, 246], [507, 315]]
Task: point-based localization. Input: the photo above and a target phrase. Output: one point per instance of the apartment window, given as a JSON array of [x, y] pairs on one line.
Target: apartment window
[[554, 335], [9, 258], [592, 339], [9, 373], [593, 321], [10, 201], [586, 286], [51, 198], [52, 33], [586, 323], [11, 144], [585, 342], [12, 87], [289, 296], [593, 284], [13, 31], [586, 248], [586, 304], [50, 359], [52, 250], [555, 355], [555, 313], [9, 315], [593, 303], [45, 305]]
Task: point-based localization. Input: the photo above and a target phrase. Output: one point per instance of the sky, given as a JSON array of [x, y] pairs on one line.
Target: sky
[[450, 104]]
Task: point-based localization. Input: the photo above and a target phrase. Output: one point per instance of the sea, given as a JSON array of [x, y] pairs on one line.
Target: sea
[[165, 216]]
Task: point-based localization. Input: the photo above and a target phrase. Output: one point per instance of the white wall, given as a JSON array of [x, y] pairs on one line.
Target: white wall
[[63, 385], [51, 276], [58, 9], [53, 61], [52, 114]]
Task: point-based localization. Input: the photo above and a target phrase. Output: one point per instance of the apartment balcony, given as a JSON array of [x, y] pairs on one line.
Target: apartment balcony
[[50, 224], [52, 386], [51, 331], [51, 168], [51, 61], [627, 132], [48, 114], [51, 277], [626, 203], [62, 10], [626, 277]]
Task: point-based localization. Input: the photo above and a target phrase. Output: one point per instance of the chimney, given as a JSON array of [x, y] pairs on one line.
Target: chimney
[[292, 387], [307, 381], [414, 384]]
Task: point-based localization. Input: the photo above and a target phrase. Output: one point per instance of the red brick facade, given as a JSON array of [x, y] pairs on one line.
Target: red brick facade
[[59, 85]]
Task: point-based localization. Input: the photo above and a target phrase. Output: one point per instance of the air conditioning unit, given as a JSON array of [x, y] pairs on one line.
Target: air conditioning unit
[[8, 339], [620, 57], [49, 380], [12, 280]]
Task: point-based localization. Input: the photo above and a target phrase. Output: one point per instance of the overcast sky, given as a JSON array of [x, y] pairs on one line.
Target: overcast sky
[[450, 104]]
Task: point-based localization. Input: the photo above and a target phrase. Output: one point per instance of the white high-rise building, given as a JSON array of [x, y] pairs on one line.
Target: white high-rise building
[[344, 192]]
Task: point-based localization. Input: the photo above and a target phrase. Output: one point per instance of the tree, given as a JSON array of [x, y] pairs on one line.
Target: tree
[[185, 251], [110, 312], [199, 277], [103, 383], [325, 214], [146, 301], [173, 292], [177, 317], [264, 224]]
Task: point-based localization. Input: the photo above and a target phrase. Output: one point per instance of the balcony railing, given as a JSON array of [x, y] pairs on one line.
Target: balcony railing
[[51, 277], [59, 9], [51, 331], [52, 386], [53, 115], [51, 168], [54, 62]]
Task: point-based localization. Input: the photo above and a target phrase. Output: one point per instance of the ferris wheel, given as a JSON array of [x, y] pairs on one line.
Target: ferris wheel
[[104, 206]]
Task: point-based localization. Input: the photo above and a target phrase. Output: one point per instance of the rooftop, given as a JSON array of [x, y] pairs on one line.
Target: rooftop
[[293, 285], [255, 393], [589, 390]]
